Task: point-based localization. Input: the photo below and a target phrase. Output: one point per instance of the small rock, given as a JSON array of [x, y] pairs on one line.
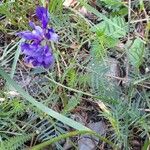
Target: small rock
[[88, 142]]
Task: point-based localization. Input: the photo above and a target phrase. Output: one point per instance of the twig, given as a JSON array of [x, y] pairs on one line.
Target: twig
[[146, 110], [129, 19], [146, 16], [140, 20], [69, 88], [145, 86]]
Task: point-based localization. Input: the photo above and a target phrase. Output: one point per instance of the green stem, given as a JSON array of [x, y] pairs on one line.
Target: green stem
[[69, 88], [67, 135]]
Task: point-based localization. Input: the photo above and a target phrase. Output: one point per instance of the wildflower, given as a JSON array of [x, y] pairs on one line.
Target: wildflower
[[36, 50]]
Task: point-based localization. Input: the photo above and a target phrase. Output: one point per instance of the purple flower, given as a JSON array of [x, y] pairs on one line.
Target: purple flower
[[36, 48], [39, 55]]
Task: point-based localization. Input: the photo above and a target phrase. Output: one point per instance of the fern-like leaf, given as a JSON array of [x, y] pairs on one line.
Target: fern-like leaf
[[112, 3], [116, 30], [14, 143], [136, 53], [101, 85]]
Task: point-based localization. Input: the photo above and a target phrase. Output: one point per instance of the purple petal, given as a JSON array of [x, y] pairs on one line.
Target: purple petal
[[39, 31], [35, 63], [28, 35], [43, 16], [46, 49], [28, 59], [40, 59], [29, 49], [49, 60], [26, 48], [32, 25], [51, 35], [47, 65]]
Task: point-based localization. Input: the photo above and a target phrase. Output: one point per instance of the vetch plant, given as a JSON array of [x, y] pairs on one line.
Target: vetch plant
[[36, 46]]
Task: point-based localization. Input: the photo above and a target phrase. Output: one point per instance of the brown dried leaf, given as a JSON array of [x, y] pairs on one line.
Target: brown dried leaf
[[29, 65], [72, 3]]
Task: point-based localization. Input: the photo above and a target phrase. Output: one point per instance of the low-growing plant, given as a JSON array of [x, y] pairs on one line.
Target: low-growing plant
[[100, 57]]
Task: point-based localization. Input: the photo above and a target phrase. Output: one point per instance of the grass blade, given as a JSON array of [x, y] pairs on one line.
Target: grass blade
[[17, 54]]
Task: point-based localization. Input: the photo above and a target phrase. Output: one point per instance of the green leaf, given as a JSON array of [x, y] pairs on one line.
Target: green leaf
[[146, 145], [14, 143], [16, 57], [43, 2], [56, 6], [112, 3], [98, 50], [136, 53], [101, 85], [72, 103], [112, 30], [40, 106], [120, 12], [72, 77], [101, 43]]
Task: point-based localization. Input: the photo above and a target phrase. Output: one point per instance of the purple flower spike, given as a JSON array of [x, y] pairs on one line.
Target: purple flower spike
[[43, 16], [36, 48]]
